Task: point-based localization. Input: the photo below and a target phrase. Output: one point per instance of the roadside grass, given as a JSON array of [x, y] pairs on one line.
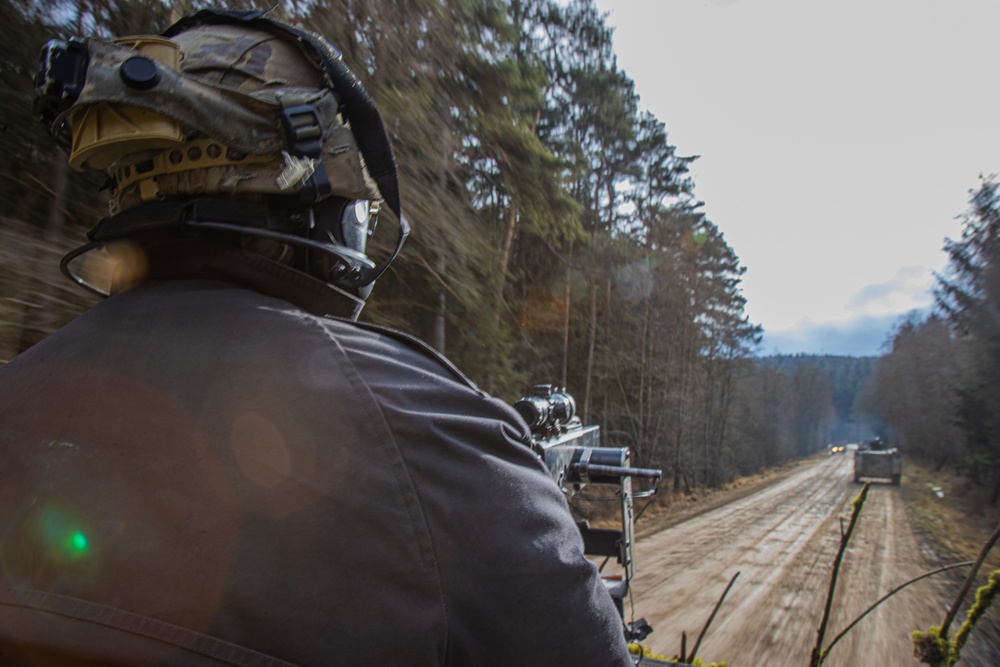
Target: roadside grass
[[953, 514], [957, 520]]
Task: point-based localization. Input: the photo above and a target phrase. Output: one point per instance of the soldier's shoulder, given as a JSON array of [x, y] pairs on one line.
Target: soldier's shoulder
[[417, 347]]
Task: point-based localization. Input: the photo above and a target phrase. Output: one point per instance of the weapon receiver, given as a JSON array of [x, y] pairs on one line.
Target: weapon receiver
[[574, 457]]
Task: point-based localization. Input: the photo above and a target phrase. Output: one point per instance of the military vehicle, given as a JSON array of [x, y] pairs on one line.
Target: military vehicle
[[876, 460]]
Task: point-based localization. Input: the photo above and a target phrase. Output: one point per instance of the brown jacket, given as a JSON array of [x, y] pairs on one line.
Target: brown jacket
[[193, 473]]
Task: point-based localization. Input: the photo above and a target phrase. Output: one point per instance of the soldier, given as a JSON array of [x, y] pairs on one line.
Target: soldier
[[218, 464]]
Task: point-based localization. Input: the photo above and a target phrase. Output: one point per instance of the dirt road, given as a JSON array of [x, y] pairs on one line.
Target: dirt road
[[783, 540]]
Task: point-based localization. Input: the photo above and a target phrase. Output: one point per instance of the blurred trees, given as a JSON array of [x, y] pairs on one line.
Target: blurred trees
[[937, 392], [969, 296], [35, 186], [556, 236], [784, 407], [914, 390], [761, 418]]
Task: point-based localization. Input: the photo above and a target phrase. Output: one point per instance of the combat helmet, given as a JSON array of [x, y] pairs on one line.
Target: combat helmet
[[229, 125]]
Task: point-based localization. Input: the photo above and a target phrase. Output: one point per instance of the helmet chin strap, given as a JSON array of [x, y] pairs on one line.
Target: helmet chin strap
[[354, 270], [353, 265]]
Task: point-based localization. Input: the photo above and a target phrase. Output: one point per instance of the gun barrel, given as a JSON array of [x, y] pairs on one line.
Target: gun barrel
[[586, 469]]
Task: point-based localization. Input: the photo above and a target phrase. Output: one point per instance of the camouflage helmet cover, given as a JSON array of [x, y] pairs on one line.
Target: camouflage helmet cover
[[229, 98]]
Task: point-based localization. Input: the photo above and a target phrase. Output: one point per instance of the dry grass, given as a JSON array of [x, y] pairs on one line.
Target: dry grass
[[956, 520], [953, 514]]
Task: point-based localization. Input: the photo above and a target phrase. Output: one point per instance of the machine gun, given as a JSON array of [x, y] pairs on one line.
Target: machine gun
[[574, 457]]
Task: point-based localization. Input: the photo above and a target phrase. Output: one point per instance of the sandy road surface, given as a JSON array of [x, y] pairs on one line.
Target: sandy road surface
[[783, 541]]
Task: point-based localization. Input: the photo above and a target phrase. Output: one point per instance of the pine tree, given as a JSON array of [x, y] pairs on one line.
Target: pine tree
[[968, 293]]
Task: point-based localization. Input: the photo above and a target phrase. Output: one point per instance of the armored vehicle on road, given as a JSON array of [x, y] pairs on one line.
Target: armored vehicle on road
[[876, 460]]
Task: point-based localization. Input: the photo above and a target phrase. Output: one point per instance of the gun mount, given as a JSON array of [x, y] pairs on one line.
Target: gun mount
[[574, 457]]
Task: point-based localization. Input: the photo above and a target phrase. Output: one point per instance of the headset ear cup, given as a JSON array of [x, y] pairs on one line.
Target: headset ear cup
[[338, 222], [326, 220], [354, 222], [324, 227]]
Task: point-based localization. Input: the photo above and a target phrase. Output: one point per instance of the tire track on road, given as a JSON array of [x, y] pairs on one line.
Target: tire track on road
[[783, 540]]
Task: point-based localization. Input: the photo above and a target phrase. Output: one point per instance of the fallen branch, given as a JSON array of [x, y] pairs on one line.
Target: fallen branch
[[818, 654], [697, 644]]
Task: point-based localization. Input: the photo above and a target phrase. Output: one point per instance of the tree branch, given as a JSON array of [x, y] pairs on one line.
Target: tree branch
[[818, 654], [968, 582], [889, 595], [697, 644]]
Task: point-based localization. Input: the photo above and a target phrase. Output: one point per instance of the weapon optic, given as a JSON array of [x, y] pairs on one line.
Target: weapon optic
[[574, 457]]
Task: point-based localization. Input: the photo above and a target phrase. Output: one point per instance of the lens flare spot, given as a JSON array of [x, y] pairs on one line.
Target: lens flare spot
[[260, 450], [78, 543], [112, 268], [635, 281], [62, 535]]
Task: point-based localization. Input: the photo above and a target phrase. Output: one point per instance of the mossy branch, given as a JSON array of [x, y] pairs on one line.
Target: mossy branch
[[889, 595], [984, 599], [933, 648], [967, 584], [818, 654]]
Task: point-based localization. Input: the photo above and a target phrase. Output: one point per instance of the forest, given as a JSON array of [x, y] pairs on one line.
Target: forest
[[557, 238]]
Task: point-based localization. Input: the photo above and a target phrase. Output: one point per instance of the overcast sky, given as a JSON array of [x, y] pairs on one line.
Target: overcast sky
[[838, 141]]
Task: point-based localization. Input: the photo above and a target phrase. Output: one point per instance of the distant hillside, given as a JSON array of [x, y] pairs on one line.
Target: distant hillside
[[847, 377]]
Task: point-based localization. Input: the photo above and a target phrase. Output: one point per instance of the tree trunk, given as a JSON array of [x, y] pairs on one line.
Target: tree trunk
[[592, 335], [566, 307], [995, 496], [440, 321], [506, 243], [41, 320]]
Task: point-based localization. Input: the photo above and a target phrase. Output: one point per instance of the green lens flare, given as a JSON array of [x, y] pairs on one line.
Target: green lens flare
[[62, 534], [78, 543]]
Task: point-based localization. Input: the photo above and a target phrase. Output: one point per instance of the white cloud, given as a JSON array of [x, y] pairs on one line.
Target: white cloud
[[860, 337], [910, 289]]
